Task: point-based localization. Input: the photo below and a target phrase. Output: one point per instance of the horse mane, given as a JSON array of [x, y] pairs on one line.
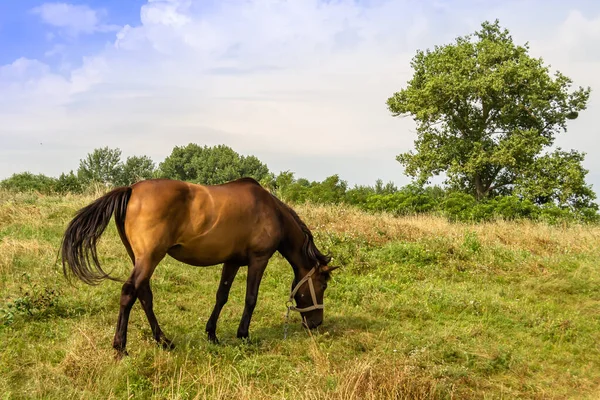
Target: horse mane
[[309, 249]]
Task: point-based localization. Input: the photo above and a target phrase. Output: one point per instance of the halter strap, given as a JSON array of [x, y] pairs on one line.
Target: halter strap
[[315, 306]]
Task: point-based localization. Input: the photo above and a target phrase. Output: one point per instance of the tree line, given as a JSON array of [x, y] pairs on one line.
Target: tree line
[[487, 116], [220, 164]]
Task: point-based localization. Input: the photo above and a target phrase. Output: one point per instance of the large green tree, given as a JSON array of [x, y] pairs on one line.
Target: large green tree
[[102, 165], [487, 114], [136, 168], [211, 165]]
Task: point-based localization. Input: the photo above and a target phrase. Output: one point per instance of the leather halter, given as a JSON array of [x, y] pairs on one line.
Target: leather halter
[[315, 306]]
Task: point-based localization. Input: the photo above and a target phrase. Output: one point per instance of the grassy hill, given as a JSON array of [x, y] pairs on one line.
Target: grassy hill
[[422, 308]]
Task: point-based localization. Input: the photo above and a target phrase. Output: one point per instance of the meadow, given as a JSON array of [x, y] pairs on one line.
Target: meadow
[[422, 308]]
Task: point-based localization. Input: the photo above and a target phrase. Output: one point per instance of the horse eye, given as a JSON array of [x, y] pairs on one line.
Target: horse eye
[[324, 286]]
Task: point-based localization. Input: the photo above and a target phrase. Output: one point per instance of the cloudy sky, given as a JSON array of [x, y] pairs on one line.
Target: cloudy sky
[[301, 84]]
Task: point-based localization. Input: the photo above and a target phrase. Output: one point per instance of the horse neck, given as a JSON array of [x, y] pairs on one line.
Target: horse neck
[[292, 248]]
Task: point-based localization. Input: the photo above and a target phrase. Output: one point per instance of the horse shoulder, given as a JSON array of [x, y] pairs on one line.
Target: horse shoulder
[[203, 212]]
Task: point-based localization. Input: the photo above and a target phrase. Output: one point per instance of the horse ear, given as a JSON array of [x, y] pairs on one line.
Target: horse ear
[[328, 268]]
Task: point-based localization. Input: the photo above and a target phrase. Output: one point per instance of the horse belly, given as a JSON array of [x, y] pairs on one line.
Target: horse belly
[[203, 253]]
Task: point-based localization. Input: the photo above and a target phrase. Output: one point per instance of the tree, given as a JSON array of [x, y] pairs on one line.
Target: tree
[[331, 190], [102, 165], [389, 187], [485, 112], [215, 165], [359, 194], [558, 178], [211, 165], [68, 183], [252, 166], [179, 164], [136, 168]]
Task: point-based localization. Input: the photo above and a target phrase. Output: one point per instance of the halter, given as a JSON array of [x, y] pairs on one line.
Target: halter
[[315, 306], [290, 302]]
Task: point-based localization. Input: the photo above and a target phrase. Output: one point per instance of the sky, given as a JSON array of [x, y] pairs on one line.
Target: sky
[[301, 84]]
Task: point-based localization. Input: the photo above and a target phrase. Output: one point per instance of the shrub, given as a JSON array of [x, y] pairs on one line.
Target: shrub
[[512, 207], [458, 206], [69, 183], [28, 182]]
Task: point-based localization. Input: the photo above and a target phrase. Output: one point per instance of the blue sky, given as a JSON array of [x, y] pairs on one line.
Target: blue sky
[[23, 32], [301, 84]]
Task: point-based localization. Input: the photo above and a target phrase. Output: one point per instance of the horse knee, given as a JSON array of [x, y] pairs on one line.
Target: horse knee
[[222, 298], [251, 300]]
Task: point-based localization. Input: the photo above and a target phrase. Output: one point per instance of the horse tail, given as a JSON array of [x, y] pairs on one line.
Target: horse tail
[[84, 230]]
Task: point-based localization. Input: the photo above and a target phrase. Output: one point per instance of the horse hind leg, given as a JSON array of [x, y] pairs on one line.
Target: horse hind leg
[[145, 296], [138, 286], [128, 298]]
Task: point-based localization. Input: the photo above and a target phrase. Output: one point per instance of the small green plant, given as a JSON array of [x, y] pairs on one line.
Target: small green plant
[[33, 300], [471, 242]]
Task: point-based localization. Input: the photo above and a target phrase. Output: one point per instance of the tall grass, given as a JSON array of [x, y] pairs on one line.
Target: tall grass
[[421, 308]]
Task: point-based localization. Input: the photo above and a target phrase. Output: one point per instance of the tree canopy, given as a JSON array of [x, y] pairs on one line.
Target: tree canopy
[[211, 165], [487, 114], [136, 168], [102, 165]]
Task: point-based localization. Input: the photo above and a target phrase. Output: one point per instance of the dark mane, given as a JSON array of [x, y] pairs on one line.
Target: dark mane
[[309, 249]]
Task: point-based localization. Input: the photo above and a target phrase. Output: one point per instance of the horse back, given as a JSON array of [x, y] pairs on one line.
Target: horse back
[[202, 225]]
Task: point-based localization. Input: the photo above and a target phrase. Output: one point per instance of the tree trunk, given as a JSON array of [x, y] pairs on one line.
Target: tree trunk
[[480, 191]]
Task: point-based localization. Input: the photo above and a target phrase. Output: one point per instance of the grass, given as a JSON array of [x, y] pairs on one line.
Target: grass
[[422, 308]]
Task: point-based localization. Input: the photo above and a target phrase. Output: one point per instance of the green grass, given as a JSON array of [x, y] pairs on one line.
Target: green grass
[[421, 309]]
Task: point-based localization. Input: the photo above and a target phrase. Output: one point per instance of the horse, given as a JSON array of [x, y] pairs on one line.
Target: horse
[[237, 224]]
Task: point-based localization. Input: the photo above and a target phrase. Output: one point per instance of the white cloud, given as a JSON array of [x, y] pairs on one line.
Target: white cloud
[[577, 27], [297, 83], [74, 19], [29, 83]]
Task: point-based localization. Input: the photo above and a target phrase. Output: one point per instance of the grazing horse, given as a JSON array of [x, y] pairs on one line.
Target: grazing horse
[[237, 223]]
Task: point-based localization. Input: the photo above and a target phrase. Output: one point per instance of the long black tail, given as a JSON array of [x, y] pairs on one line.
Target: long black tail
[[82, 234]]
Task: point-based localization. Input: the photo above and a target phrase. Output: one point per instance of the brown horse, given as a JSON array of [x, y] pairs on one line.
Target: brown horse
[[237, 223]]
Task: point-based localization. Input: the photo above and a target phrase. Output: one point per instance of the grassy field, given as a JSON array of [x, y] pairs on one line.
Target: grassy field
[[421, 309]]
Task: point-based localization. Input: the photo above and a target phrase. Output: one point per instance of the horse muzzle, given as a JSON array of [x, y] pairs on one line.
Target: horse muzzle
[[311, 324]]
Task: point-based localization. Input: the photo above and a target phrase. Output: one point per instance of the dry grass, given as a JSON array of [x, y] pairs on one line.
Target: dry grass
[[538, 238]]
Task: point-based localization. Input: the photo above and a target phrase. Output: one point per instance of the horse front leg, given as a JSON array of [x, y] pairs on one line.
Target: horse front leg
[[227, 276], [256, 268]]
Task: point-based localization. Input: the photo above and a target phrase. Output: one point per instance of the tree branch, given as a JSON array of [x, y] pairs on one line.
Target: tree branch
[[500, 185]]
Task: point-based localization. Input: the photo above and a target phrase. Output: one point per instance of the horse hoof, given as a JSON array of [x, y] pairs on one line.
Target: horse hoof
[[213, 338], [167, 344], [120, 354]]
